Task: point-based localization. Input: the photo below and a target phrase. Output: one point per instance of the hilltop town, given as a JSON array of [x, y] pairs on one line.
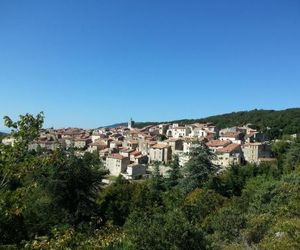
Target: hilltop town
[[132, 152]]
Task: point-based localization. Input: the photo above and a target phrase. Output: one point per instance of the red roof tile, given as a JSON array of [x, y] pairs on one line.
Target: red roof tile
[[229, 148], [117, 156]]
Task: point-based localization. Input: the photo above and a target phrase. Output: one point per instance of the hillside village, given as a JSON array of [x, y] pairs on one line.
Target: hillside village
[[132, 152]]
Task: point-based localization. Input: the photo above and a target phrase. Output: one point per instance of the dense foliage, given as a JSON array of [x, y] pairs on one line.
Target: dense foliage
[[55, 200]]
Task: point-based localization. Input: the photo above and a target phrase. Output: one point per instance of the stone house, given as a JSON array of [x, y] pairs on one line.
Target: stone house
[[117, 164], [161, 153], [229, 155], [254, 151]]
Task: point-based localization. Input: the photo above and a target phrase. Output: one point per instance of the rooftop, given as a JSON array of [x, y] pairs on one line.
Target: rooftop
[[229, 148], [231, 134], [117, 156], [218, 143], [160, 146]]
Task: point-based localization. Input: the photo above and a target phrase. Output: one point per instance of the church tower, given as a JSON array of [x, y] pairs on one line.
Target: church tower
[[130, 123]]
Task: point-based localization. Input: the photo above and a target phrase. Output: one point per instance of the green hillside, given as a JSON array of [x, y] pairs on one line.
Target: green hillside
[[273, 122]]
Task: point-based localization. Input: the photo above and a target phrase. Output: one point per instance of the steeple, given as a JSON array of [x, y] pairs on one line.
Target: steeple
[[130, 123]]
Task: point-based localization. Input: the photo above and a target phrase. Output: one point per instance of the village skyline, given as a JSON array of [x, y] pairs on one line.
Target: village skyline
[[4, 129]]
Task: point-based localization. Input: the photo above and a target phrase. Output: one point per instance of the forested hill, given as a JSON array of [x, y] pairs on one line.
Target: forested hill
[[276, 122]]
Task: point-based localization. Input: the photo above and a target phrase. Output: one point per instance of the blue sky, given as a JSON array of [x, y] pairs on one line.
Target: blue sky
[[90, 63]]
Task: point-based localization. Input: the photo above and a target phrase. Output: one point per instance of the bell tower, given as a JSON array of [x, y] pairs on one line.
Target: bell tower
[[130, 123]]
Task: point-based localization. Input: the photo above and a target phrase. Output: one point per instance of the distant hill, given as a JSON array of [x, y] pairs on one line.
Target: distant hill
[[273, 122], [115, 125]]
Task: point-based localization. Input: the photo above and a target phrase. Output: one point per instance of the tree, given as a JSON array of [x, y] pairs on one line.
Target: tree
[[199, 166], [200, 203], [292, 157], [174, 172], [40, 192], [280, 148], [115, 201], [26, 129], [156, 179], [15, 163], [158, 230], [73, 184], [227, 224]]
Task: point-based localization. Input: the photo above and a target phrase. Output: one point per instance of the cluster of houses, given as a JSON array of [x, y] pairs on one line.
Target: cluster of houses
[[131, 152]]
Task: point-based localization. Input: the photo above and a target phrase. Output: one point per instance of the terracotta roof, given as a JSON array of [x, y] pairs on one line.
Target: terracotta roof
[[145, 128], [135, 153], [229, 148], [231, 134], [160, 146], [117, 156], [218, 143]]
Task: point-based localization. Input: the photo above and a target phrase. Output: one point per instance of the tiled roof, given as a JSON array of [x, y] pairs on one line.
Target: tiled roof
[[218, 143], [135, 153], [117, 156], [160, 146], [229, 148], [231, 134]]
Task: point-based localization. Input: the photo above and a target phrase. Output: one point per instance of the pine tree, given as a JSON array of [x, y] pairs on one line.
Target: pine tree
[[199, 166]]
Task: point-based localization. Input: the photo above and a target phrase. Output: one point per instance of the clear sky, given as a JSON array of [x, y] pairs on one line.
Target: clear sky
[[90, 63]]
